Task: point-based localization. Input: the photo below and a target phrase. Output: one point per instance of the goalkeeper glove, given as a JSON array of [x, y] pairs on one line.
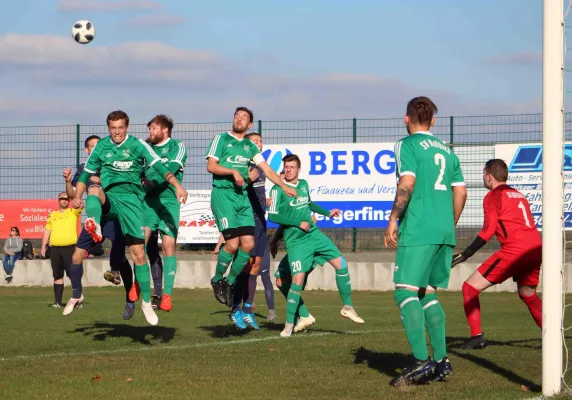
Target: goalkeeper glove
[[457, 259]]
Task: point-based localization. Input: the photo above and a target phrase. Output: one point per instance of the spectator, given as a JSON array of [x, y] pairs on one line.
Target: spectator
[[12, 252], [61, 232]]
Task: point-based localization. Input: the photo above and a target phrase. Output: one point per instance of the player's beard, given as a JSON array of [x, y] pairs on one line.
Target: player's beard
[[236, 129]]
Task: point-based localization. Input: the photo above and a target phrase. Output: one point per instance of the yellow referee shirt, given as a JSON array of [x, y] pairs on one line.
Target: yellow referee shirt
[[63, 227]]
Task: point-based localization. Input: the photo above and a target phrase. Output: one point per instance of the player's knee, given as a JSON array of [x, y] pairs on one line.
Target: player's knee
[[93, 191], [78, 256], [231, 245], [526, 291]]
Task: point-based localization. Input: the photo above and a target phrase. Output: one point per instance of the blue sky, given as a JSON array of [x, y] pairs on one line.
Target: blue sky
[[313, 59]]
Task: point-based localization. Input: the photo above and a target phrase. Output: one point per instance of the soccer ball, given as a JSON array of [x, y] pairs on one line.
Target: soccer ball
[[83, 32]]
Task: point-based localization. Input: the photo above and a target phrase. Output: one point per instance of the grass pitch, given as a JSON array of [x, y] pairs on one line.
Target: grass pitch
[[195, 352]]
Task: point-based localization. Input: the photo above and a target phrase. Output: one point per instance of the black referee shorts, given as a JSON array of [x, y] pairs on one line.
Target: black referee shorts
[[61, 260]]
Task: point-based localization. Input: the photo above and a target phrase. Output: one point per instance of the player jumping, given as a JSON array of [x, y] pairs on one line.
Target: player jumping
[[119, 159], [111, 230], [162, 208], [508, 215], [304, 242], [228, 158], [430, 198]]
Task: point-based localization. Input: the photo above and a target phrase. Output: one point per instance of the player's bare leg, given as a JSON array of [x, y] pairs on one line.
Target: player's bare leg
[[472, 288], [345, 289]]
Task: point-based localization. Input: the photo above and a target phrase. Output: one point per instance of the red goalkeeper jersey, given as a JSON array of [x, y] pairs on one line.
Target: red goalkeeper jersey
[[508, 215]]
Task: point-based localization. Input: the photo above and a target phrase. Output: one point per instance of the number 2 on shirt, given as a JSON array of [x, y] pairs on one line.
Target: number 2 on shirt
[[440, 161]]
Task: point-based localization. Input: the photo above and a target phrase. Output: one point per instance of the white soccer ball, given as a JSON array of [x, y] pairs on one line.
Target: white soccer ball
[[83, 32]]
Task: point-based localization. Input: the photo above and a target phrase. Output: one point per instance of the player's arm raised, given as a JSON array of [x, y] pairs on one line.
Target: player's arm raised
[[273, 176], [92, 165], [491, 207], [154, 161]]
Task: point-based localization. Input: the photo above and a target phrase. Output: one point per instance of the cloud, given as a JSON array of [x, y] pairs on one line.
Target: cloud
[[108, 6], [155, 20], [57, 80], [527, 59]]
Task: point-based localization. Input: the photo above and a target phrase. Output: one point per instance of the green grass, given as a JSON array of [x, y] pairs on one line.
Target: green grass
[[196, 353]]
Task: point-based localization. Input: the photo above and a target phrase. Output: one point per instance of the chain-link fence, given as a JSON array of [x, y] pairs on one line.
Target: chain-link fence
[[32, 158]]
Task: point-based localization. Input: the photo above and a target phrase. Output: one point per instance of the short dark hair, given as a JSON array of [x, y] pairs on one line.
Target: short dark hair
[[163, 121], [116, 116], [292, 157], [498, 169], [89, 139], [251, 134], [421, 110], [250, 114]]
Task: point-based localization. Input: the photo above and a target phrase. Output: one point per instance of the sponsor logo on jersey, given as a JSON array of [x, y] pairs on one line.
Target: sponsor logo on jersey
[[122, 165], [300, 201], [529, 159], [108, 155], [238, 160]]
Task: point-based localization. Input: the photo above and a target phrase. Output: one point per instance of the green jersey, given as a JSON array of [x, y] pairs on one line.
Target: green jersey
[[122, 163], [233, 153], [173, 156], [291, 211], [429, 217]]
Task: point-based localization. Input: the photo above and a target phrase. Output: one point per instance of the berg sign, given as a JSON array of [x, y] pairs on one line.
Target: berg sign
[[357, 178]]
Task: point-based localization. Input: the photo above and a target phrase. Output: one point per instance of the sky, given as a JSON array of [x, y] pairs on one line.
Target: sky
[[300, 59]]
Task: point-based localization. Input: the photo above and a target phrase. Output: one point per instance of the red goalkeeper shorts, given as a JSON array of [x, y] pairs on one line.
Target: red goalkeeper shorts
[[523, 267]]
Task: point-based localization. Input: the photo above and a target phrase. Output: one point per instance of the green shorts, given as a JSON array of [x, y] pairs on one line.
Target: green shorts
[[301, 254], [283, 270], [128, 210], [162, 213], [231, 209], [422, 266]]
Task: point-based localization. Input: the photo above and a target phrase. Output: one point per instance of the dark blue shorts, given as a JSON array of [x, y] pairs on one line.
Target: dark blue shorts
[[260, 239]]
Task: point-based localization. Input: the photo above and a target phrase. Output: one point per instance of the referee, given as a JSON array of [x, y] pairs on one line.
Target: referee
[[61, 232]]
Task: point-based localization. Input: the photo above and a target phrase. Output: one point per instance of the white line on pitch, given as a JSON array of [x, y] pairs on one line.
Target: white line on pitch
[[189, 346]]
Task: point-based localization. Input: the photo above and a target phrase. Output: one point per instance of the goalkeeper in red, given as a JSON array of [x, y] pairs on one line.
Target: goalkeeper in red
[[508, 216]]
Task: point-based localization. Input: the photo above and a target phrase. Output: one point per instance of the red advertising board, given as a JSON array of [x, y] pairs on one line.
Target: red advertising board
[[29, 216]]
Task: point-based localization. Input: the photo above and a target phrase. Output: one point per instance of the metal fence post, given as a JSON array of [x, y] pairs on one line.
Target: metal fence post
[[451, 128], [77, 144], [260, 127], [354, 230]]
